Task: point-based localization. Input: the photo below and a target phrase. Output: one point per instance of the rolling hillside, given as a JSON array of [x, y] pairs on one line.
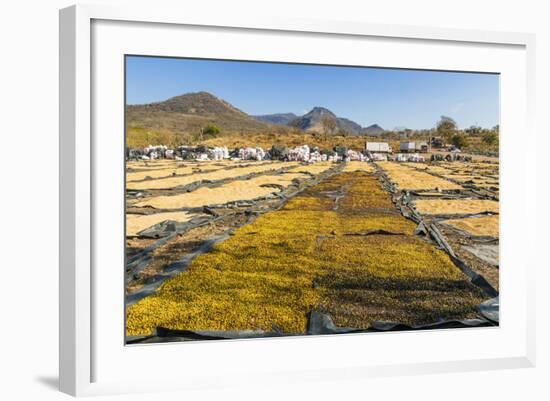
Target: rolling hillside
[[188, 113], [179, 120]]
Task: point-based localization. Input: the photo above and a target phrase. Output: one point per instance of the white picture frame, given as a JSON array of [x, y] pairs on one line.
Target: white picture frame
[[88, 366]]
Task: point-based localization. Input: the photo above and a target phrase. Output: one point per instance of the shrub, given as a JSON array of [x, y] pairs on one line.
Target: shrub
[[459, 140], [490, 138]]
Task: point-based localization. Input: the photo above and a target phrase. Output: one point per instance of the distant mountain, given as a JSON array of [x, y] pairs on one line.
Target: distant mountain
[[277, 119], [373, 130], [312, 121], [349, 126], [190, 112]]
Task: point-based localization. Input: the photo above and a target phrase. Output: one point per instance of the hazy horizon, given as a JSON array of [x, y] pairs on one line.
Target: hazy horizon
[[388, 97]]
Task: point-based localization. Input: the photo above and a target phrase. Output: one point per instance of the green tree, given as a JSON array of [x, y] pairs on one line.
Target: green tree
[[459, 140], [210, 131], [473, 130], [446, 126], [490, 138]]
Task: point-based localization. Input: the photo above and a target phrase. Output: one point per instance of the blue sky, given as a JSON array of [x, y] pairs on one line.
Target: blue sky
[[388, 97]]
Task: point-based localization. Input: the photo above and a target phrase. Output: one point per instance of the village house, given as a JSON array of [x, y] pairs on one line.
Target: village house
[[377, 147]]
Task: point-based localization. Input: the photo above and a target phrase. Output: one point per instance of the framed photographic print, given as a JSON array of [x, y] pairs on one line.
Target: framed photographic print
[[273, 199]]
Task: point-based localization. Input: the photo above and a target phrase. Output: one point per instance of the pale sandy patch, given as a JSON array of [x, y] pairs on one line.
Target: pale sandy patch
[[217, 175], [136, 222], [438, 170], [455, 206], [358, 166], [229, 192], [168, 172], [152, 164], [410, 179], [314, 168], [482, 226]]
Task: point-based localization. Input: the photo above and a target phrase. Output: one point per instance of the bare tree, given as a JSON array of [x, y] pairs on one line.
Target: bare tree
[[329, 125]]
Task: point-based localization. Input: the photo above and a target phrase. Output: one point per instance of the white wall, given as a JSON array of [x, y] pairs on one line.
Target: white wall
[[28, 224]]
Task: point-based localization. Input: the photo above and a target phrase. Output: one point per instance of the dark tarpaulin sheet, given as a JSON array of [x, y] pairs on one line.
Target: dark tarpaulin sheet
[[320, 323]]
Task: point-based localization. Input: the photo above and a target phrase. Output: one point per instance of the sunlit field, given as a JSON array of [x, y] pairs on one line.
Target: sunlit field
[[324, 237]]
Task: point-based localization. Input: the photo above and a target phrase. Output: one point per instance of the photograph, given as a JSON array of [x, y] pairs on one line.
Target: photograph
[[274, 199], [287, 200]]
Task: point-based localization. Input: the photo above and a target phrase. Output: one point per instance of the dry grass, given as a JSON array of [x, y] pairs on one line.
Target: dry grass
[[309, 203], [471, 167], [481, 174], [462, 177], [475, 180], [150, 164], [217, 175], [365, 195], [228, 192], [437, 169], [272, 272], [455, 206], [170, 171], [487, 185], [358, 166], [392, 278], [479, 226], [182, 168], [407, 178], [290, 139], [314, 168], [136, 222]]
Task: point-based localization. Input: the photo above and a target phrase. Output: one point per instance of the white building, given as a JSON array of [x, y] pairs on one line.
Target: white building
[[377, 147]]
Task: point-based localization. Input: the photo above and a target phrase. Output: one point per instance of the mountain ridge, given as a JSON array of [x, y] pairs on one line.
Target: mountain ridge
[[313, 121], [188, 113], [373, 130], [276, 118]]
